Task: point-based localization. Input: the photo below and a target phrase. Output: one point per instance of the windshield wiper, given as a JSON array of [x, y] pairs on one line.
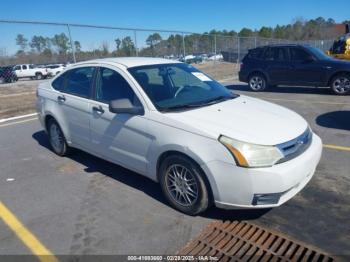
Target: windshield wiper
[[203, 103], [182, 106], [215, 100]]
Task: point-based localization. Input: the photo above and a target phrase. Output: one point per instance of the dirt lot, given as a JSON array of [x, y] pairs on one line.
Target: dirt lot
[[19, 98], [219, 70]]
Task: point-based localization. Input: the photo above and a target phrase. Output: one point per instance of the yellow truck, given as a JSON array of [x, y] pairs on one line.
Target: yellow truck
[[341, 47]]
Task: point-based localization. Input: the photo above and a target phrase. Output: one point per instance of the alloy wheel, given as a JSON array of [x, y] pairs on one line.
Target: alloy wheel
[[341, 85], [181, 185], [56, 138], [257, 83]]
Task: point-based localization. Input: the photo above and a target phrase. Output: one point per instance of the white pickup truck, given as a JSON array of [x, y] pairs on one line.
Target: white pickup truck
[[30, 71]]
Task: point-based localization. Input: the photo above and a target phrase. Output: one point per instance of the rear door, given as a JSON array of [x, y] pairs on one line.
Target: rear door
[[74, 101], [277, 65], [26, 71], [307, 70]]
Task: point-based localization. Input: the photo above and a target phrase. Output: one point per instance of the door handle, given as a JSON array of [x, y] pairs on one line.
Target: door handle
[[61, 98], [98, 109]]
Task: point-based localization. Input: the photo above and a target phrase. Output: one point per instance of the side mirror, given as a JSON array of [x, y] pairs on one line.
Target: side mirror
[[124, 106]]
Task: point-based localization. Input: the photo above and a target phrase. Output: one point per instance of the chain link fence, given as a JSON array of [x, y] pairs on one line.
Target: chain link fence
[[24, 43]]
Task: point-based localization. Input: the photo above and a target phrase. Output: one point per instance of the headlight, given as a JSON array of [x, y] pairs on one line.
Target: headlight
[[251, 155]]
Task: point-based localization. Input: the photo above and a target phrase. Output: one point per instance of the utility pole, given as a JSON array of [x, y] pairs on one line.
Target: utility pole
[[71, 43]]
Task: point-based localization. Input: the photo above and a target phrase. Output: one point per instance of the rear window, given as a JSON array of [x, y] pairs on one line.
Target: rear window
[[276, 54], [58, 83], [255, 53]]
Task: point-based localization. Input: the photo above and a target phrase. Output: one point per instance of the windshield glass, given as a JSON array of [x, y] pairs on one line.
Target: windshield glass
[[176, 86], [318, 53]]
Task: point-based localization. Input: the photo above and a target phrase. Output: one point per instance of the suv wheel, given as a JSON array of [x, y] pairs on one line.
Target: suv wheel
[[257, 82], [340, 84], [183, 185], [38, 76], [56, 138]]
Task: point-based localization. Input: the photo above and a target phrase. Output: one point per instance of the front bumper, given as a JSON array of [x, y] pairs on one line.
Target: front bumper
[[234, 187]]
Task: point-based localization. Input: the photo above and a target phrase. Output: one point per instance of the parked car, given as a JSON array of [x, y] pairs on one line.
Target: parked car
[[177, 126], [192, 59], [30, 71], [296, 65], [217, 57], [7, 75], [55, 69]]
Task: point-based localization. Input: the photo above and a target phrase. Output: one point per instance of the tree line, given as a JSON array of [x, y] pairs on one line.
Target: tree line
[[41, 49]]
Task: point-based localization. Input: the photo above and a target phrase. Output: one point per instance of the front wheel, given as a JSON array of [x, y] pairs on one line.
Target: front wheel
[[57, 139], [183, 185], [340, 84], [257, 82]]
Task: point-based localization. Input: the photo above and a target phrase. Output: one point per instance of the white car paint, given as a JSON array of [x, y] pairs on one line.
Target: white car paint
[[55, 69], [29, 70], [137, 142]]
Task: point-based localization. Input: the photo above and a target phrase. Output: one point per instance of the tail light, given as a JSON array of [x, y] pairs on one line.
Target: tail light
[[241, 66]]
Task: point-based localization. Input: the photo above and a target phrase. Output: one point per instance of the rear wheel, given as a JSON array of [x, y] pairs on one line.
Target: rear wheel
[[340, 84], [257, 82], [183, 185], [56, 138], [38, 76]]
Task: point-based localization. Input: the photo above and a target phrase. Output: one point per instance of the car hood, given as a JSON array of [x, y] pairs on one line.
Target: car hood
[[244, 118], [338, 62]]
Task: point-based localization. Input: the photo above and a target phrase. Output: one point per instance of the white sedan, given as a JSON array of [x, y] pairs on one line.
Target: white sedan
[[174, 124], [53, 70]]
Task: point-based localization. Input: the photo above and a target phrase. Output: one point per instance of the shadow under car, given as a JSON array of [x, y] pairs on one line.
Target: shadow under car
[[142, 183]]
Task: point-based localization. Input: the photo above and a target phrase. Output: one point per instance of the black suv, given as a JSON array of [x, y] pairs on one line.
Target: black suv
[[296, 65], [7, 75]]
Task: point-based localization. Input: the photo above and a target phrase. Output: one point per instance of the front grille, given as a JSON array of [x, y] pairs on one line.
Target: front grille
[[296, 146]]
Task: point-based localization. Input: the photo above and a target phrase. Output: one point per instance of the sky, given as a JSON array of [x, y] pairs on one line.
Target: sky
[[185, 15]]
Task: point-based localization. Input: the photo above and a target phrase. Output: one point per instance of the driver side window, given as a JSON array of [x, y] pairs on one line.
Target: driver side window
[[110, 85], [299, 55]]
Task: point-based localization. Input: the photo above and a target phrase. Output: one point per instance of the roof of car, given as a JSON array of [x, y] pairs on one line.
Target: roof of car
[[131, 61], [284, 45]]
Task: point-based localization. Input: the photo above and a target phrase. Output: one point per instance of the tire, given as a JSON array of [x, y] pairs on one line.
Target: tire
[[38, 76], [2, 80], [56, 137], [180, 177], [340, 84], [257, 82]]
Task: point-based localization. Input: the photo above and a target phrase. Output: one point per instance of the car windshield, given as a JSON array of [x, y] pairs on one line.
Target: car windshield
[[319, 54], [179, 86]]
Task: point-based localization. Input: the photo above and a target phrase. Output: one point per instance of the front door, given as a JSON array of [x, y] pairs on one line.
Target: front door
[[121, 138], [21, 70], [306, 68]]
